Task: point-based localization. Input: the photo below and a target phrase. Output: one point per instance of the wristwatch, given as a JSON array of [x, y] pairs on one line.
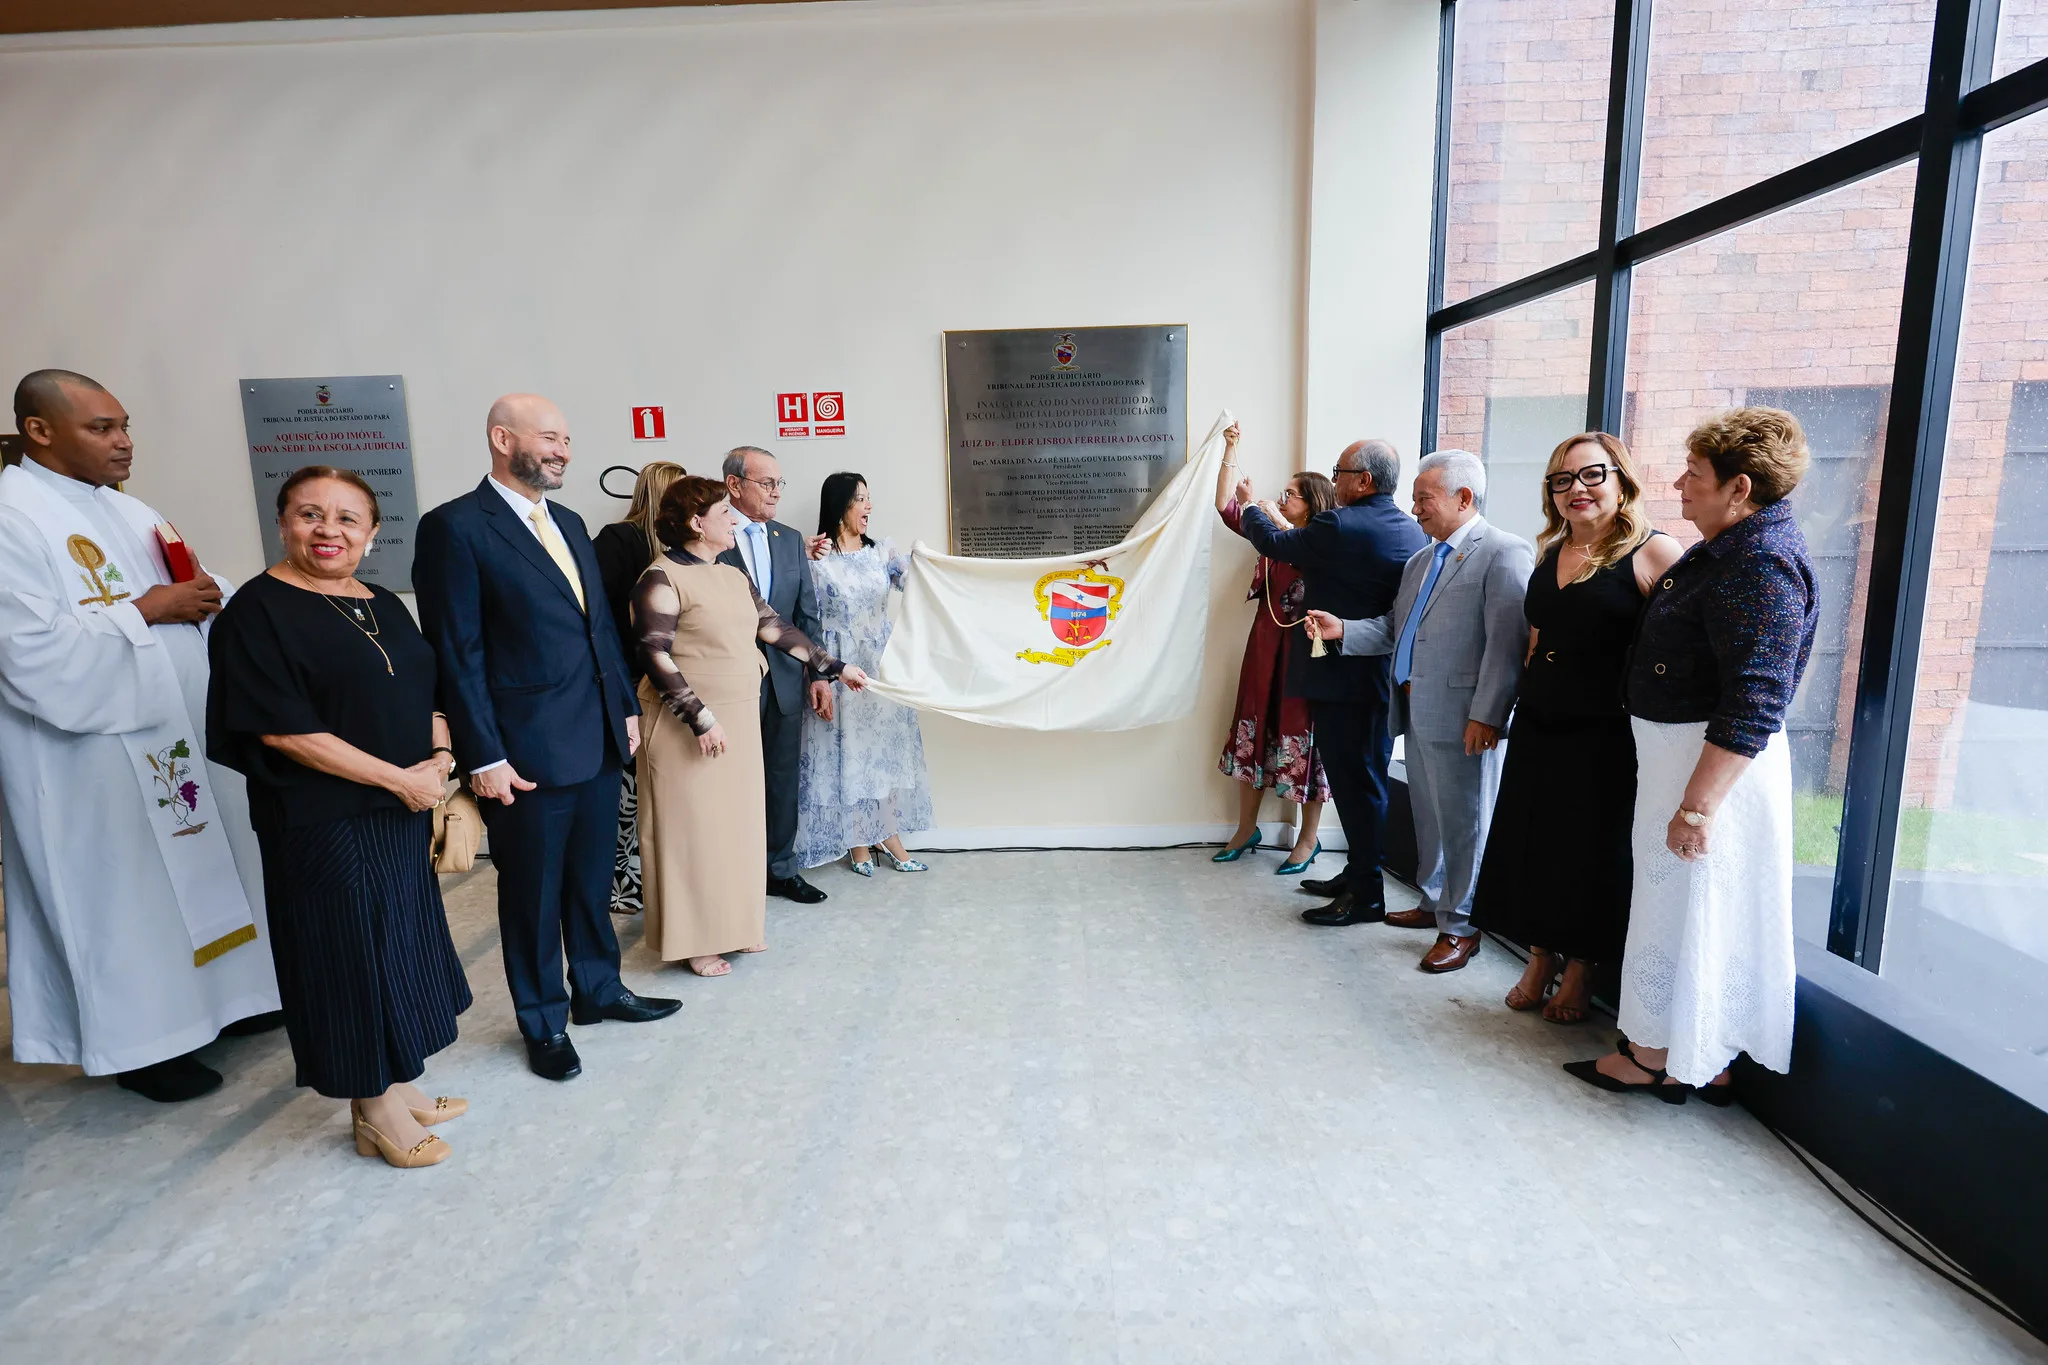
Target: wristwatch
[[1692, 817]]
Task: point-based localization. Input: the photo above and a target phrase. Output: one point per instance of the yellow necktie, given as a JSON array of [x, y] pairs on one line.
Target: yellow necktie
[[551, 541]]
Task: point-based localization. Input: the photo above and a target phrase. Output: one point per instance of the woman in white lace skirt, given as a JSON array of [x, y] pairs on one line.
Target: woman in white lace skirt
[[1708, 970]]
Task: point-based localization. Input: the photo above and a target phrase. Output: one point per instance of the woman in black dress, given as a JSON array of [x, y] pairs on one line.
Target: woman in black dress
[[1555, 875], [624, 550], [323, 697]]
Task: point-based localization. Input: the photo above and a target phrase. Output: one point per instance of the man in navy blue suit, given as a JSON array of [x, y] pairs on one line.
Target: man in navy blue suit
[[1353, 553], [534, 682]]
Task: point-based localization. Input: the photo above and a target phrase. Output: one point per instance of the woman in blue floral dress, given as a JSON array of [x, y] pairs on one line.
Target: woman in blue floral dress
[[861, 782]]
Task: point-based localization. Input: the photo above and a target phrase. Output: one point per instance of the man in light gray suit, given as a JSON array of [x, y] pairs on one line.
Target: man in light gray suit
[[1458, 639]]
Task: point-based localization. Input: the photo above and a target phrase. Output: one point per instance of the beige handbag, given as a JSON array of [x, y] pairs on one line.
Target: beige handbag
[[458, 830]]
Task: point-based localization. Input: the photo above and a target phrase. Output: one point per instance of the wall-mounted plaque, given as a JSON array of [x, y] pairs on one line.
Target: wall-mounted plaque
[[1056, 438], [354, 422]]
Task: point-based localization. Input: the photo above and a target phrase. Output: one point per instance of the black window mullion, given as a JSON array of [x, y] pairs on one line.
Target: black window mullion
[[1909, 487], [1547, 281], [1627, 90], [1439, 225], [2011, 97], [1879, 151]]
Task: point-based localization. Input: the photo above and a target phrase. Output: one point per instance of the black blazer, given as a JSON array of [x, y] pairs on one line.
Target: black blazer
[[526, 675], [622, 556], [794, 600], [1350, 560]]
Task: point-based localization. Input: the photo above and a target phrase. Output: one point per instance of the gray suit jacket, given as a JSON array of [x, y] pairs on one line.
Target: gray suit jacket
[[1470, 644]]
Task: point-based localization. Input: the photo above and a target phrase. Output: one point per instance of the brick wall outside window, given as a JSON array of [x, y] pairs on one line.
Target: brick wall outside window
[[1803, 304]]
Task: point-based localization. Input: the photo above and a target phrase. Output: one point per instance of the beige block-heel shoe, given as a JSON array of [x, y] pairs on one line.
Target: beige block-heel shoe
[[370, 1142], [445, 1107]]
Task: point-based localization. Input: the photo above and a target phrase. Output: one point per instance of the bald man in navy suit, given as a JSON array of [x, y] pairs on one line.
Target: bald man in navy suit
[[542, 712]]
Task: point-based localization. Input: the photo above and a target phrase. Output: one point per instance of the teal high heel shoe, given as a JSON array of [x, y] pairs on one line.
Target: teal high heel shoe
[[1291, 869], [1231, 855]]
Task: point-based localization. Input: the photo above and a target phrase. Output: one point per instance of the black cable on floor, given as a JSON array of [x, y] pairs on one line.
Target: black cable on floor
[[1947, 1268]]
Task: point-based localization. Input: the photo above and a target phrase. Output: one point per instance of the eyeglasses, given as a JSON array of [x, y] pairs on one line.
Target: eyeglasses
[[1340, 471], [1289, 495], [1592, 475], [772, 485]]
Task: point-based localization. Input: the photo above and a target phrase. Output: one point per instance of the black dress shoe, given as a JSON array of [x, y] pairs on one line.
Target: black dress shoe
[[171, 1080], [553, 1058], [1325, 886], [255, 1024], [627, 1009], [1346, 909], [796, 889]]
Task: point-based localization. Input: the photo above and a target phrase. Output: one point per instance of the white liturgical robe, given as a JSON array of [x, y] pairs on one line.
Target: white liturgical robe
[[116, 955]]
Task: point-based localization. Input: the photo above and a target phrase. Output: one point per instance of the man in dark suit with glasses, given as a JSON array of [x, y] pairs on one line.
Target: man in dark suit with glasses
[[772, 555], [1351, 554]]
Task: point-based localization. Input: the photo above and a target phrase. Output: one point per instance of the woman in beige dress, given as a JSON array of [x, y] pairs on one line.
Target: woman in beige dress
[[702, 839]]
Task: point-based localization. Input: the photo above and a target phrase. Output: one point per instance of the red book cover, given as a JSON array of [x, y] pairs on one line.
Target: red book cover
[[179, 560]]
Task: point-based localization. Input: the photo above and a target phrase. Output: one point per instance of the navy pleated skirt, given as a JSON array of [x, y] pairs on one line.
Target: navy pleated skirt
[[366, 972]]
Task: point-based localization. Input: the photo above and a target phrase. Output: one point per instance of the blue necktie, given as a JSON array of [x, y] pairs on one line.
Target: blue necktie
[[1404, 651], [764, 566]]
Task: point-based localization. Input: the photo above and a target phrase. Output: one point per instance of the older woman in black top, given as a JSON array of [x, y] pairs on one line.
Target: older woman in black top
[[323, 696], [1708, 972]]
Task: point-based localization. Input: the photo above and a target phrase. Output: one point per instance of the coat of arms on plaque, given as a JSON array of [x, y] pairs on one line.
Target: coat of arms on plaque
[[1079, 607], [1064, 351]]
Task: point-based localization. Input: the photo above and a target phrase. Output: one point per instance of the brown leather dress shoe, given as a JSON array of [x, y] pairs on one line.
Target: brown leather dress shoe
[[1412, 919], [1449, 953]]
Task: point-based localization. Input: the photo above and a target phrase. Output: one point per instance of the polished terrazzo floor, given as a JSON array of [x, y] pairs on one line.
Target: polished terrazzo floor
[[1081, 1107]]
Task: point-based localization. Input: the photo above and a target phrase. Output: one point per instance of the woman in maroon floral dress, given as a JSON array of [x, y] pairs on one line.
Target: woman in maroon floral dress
[[1271, 745]]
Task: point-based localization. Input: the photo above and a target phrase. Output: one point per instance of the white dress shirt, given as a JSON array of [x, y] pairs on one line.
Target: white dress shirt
[[522, 505]]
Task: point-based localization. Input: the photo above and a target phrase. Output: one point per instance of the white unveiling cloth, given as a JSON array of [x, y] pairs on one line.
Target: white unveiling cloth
[[1107, 640], [133, 882]]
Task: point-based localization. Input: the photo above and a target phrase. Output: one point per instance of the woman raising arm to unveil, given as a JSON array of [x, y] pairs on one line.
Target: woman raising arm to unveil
[[702, 841], [1271, 745]]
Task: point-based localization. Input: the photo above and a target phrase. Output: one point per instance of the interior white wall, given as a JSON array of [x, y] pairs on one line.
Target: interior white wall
[[703, 207], [1368, 271]]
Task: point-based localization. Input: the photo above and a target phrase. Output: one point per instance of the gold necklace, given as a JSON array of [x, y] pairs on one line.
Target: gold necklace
[[1266, 593], [354, 616]]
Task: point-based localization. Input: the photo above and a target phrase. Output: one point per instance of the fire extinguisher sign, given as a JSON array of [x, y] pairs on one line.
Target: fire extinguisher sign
[[648, 425], [809, 414]]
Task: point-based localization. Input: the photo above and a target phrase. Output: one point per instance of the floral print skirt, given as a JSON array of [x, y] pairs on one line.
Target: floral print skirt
[[1272, 743]]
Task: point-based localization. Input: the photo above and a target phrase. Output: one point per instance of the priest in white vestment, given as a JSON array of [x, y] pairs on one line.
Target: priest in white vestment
[[132, 879]]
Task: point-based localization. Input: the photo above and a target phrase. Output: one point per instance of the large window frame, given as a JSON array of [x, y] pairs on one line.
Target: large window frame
[[1963, 104]]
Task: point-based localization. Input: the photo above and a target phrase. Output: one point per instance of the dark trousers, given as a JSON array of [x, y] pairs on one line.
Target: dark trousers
[[1355, 744], [782, 742], [553, 850]]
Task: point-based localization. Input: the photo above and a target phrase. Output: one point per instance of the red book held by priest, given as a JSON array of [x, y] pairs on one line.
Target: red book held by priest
[[178, 557]]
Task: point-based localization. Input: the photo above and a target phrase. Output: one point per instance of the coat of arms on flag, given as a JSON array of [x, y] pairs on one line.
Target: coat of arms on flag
[[1078, 605]]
